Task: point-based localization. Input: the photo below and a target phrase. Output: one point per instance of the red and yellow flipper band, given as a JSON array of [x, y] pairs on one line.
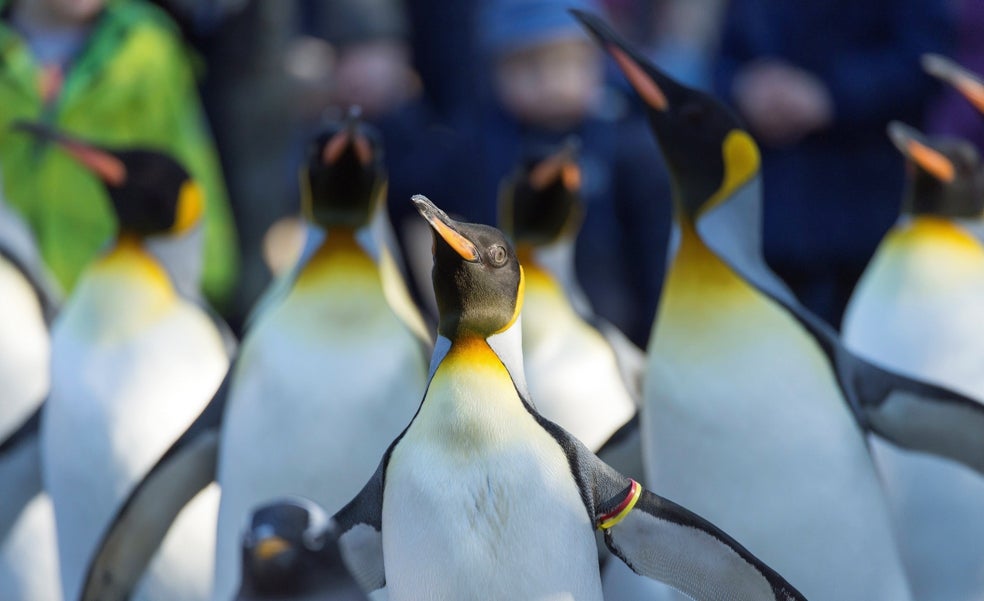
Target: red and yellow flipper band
[[618, 514]]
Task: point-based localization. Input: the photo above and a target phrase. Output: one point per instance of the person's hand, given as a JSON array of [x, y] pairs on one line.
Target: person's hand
[[782, 103]]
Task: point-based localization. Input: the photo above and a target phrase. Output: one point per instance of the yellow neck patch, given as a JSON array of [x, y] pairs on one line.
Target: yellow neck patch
[[129, 259], [741, 163], [340, 257], [935, 231]]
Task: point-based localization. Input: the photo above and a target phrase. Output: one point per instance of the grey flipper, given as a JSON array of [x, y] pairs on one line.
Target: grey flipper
[[140, 525], [663, 541], [909, 413], [20, 472], [359, 527]]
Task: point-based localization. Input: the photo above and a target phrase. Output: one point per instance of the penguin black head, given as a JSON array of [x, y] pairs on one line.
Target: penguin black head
[[477, 278], [541, 201], [965, 82], [343, 179], [290, 547], [151, 193], [707, 150], [945, 176]]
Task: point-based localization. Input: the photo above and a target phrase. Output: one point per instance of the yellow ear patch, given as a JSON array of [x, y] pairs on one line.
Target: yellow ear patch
[[520, 294], [191, 204], [741, 163]]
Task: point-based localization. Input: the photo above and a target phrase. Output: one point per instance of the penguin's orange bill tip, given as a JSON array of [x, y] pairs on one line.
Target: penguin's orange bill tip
[[270, 547], [931, 160], [363, 150], [640, 80], [109, 168], [571, 176], [963, 80], [545, 173], [335, 147], [972, 89]]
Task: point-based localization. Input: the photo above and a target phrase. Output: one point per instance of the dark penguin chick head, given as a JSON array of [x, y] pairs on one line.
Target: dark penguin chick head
[[342, 179], [965, 82], [945, 176], [707, 151], [540, 203], [151, 193], [283, 548], [477, 278]]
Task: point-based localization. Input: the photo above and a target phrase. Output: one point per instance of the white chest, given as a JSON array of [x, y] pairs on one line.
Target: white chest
[[24, 349]]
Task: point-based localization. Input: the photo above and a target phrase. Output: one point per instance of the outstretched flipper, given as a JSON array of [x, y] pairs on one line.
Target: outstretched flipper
[[139, 527], [20, 471], [359, 529]]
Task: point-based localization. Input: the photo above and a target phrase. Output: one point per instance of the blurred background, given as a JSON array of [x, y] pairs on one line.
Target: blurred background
[[460, 91]]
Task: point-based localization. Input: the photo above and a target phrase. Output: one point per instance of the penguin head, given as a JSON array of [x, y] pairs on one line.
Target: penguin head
[[945, 175], [282, 547], [540, 203], [965, 82], [151, 193], [342, 179], [707, 150], [477, 278]]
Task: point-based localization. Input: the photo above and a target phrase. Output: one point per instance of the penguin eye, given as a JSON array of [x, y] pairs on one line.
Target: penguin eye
[[497, 255]]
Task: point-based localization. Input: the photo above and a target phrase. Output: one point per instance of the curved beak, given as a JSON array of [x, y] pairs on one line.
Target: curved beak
[[648, 82], [968, 84], [914, 145], [446, 228], [562, 165], [104, 164], [348, 136]]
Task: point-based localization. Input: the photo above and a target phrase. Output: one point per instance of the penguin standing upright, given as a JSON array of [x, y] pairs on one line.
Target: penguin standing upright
[[483, 498], [572, 370], [754, 414], [132, 365], [332, 371], [917, 309]]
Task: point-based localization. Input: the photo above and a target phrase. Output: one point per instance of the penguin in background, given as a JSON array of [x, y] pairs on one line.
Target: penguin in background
[[917, 310], [754, 413], [290, 553], [970, 85], [578, 378], [132, 365], [28, 551], [483, 498]]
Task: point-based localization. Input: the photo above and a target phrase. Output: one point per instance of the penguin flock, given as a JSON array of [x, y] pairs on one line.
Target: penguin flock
[[521, 448]]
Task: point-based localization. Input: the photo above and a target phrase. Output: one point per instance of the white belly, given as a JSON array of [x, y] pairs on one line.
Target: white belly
[[745, 425], [115, 408], [25, 350], [920, 314], [311, 413], [571, 371], [480, 503]]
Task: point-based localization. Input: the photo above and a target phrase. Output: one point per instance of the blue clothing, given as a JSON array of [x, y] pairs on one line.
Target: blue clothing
[[830, 198]]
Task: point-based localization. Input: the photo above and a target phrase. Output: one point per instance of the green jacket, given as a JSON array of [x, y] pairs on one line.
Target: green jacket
[[132, 84]]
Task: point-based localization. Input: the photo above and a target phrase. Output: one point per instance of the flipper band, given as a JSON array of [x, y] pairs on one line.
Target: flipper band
[[618, 514]]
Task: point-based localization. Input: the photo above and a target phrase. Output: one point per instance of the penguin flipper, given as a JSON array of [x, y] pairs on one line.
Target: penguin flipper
[[623, 450], [917, 415], [141, 523], [359, 526], [20, 471]]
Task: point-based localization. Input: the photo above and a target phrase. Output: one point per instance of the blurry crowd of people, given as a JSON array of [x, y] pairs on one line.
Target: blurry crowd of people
[[461, 91]]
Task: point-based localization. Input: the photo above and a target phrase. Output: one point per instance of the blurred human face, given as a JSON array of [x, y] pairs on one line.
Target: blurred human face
[[550, 85]]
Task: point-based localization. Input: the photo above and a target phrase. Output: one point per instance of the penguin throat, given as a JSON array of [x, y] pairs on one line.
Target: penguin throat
[[697, 275], [936, 232], [339, 260], [128, 260]]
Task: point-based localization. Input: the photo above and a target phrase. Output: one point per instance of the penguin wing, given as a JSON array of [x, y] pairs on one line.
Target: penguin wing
[[359, 526], [141, 523], [20, 471], [916, 415], [664, 541]]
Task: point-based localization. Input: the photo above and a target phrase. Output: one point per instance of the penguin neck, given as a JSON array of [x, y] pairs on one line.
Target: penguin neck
[[935, 231], [503, 348], [696, 268], [551, 273], [128, 263], [339, 261]]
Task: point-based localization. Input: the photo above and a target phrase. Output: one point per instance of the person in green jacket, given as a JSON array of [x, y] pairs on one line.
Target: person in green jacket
[[116, 73]]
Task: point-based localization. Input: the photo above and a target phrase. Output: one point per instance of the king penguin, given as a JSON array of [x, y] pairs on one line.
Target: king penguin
[[482, 498], [754, 414], [132, 365], [917, 310], [574, 373], [331, 373], [290, 553]]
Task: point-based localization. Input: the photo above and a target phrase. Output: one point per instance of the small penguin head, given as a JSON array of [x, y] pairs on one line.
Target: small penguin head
[[540, 203], [151, 193], [945, 175], [965, 82], [706, 149], [342, 179], [281, 547], [477, 278]]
